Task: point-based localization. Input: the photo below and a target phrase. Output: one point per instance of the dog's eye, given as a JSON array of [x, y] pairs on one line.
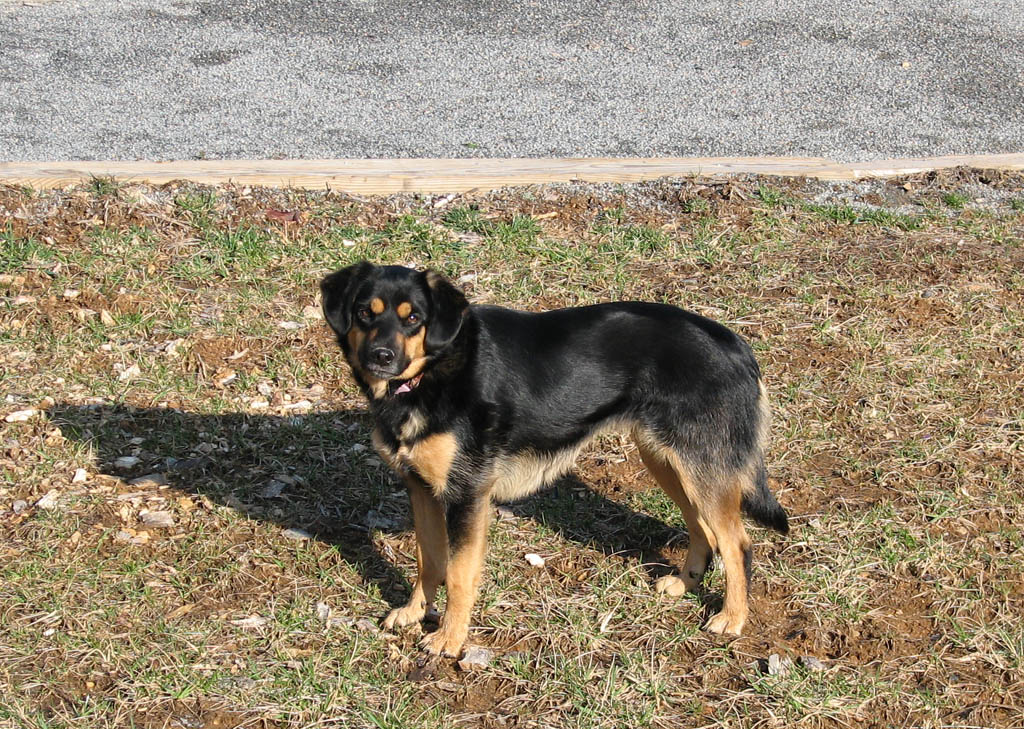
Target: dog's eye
[[412, 319], [363, 313]]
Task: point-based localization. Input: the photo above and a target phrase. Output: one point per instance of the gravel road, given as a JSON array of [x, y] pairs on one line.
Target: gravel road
[[142, 79]]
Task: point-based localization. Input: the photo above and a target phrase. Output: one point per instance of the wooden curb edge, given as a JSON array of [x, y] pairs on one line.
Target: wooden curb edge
[[386, 176]]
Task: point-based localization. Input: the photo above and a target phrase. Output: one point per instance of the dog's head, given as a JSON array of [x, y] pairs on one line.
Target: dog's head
[[391, 321]]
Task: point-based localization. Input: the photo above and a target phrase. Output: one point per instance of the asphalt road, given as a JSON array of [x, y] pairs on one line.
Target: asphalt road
[[144, 79]]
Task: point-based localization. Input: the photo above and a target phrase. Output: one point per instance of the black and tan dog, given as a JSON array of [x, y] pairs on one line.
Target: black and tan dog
[[475, 404]]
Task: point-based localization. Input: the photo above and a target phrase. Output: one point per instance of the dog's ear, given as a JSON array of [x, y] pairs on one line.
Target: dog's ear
[[338, 291], [448, 307]]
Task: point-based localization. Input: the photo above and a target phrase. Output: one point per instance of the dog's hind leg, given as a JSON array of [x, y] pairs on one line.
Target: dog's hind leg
[[723, 517], [712, 513], [677, 484], [431, 555]]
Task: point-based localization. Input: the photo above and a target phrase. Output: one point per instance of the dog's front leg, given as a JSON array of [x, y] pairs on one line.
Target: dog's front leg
[[431, 554], [467, 539]]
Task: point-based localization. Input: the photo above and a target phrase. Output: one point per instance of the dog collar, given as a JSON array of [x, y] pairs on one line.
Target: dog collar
[[409, 385]]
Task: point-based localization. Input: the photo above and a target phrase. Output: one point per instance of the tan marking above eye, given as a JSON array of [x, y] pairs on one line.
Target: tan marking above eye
[[377, 306], [404, 309]]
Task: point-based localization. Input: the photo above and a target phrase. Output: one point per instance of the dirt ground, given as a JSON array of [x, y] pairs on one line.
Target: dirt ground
[[194, 532]]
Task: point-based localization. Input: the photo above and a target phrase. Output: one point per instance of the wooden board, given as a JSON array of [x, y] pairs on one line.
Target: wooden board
[[384, 176]]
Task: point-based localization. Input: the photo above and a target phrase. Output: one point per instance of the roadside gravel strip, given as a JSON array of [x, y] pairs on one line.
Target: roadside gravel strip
[[308, 79]]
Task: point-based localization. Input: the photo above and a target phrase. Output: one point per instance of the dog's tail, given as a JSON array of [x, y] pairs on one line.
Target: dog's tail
[[760, 504]]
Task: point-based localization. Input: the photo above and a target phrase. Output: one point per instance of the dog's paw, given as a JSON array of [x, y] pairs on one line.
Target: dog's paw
[[407, 615], [672, 585], [726, 624], [444, 642]]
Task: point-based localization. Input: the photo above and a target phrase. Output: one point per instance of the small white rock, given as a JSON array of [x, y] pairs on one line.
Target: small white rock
[[250, 623], [273, 489], [150, 480], [535, 559], [130, 373], [172, 347], [312, 312], [160, 519], [290, 325], [476, 657], [49, 501], [23, 300], [323, 611], [367, 626], [297, 534], [778, 666], [81, 476], [812, 664], [19, 506], [20, 416], [71, 293], [126, 462]]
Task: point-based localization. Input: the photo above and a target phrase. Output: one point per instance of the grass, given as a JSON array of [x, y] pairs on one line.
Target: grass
[[888, 340]]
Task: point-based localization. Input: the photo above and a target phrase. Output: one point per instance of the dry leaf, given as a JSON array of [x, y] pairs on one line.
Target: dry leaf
[[179, 611], [283, 216]]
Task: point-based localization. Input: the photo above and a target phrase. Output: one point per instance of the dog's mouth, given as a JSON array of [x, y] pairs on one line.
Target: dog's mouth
[[382, 373]]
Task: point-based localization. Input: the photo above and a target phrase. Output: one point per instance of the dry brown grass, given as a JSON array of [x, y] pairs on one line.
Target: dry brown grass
[[173, 325]]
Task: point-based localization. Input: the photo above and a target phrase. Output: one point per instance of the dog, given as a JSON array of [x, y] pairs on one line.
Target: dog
[[480, 404]]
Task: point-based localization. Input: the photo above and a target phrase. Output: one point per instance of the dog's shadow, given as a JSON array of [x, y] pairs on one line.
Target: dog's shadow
[[315, 473]]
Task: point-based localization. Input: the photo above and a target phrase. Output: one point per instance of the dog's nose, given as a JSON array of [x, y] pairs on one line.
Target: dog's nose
[[383, 356]]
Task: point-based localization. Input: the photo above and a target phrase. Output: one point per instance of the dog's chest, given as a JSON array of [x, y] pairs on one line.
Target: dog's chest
[[408, 450]]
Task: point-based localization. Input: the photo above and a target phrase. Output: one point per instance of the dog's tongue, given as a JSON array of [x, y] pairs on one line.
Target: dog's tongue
[[408, 385]]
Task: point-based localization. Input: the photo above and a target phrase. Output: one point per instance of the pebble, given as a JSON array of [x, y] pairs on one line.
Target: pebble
[[81, 476], [152, 480], [126, 462], [20, 416], [778, 666], [130, 373], [273, 489], [160, 519], [19, 506], [812, 664], [476, 657], [249, 623], [535, 559], [49, 501], [298, 534]]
